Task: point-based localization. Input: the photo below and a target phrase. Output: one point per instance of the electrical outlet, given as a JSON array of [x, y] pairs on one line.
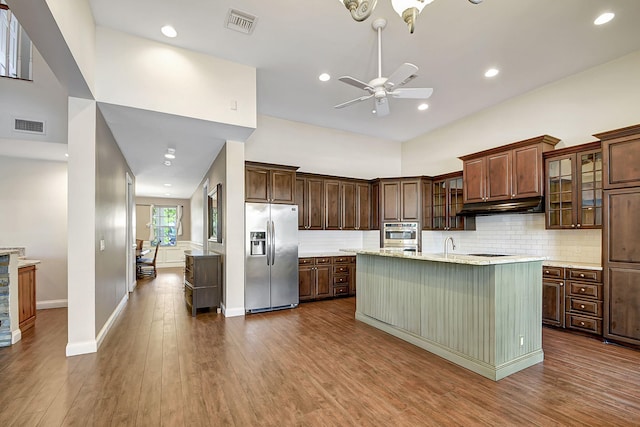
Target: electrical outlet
[[521, 340]]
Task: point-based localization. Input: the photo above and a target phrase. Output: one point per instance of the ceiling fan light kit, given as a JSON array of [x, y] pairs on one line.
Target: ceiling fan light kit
[[408, 10]]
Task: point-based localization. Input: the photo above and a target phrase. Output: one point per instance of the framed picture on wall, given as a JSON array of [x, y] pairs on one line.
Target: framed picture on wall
[[215, 214]]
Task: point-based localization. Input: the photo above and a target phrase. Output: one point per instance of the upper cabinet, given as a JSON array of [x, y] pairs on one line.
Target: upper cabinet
[[447, 202], [574, 187], [347, 205], [621, 157], [509, 172], [400, 199], [270, 183], [310, 201]]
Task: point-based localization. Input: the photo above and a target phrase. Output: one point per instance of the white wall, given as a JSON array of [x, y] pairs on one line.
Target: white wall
[[322, 150], [34, 216], [603, 98], [141, 73]]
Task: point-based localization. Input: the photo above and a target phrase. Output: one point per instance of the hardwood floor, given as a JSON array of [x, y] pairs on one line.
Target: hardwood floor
[[314, 365]]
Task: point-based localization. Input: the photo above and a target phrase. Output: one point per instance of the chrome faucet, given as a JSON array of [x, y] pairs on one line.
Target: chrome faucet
[[453, 245]]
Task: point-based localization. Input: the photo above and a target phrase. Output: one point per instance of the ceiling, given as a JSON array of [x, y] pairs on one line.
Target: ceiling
[[532, 42]]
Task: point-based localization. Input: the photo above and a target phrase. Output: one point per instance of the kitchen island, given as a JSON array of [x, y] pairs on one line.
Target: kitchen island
[[482, 313]]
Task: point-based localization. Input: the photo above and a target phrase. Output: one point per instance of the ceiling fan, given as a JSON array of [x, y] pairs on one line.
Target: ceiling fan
[[381, 87]]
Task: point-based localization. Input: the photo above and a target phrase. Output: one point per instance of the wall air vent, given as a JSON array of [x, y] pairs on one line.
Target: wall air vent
[[240, 21], [29, 126]]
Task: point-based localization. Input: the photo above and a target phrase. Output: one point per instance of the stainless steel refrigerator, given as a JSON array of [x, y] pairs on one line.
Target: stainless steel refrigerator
[[271, 257]]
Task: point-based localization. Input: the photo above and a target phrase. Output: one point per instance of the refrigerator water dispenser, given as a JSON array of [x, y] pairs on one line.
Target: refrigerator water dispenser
[[257, 241]]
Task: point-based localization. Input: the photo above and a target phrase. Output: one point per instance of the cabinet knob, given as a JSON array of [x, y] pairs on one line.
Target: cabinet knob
[[581, 275], [578, 225], [581, 323], [546, 272], [581, 305], [573, 226], [583, 290], [561, 283], [513, 195]]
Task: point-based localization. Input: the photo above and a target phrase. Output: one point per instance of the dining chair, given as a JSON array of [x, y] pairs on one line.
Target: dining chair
[[144, 265], [139, 243]]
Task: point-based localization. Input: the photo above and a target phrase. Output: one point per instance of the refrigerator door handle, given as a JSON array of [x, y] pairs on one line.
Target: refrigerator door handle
[[268, 243], [273, 243]]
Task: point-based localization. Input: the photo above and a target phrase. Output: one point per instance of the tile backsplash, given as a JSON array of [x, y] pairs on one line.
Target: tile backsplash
[[514, 234], [520, 234]]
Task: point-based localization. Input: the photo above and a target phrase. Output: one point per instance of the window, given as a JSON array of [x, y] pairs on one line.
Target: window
[[164, 222], [15, 46]]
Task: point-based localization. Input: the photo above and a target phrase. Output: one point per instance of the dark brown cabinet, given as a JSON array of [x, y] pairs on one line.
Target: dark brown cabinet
[[447, 202], [401, 199], [347, 205], [427, 203], [344, 275], [310, 201], [270, 183], [363, 206], [553, 296], [584, 295], [27, 297], [621, 234], [574, 187], [202, 280], [512, 171], [375, 205], [315, 278]]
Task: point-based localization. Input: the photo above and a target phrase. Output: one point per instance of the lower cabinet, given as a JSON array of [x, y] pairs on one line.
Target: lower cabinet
[[326, 277], [572, 298], [202, 281], [27, 297], [553, 296]]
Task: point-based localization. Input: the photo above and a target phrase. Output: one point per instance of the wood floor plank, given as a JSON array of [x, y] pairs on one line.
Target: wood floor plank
[[310, 366]]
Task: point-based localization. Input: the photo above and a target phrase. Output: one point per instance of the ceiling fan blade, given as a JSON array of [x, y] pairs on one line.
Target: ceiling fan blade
[[382, 107], [353, 101], [355, 82], [412, 92], [402, 75]]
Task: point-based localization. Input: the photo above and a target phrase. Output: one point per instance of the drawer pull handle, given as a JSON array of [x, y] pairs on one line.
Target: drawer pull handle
[[583, 290], [581, 323], [546, 272], [581, 275], [581, 305]]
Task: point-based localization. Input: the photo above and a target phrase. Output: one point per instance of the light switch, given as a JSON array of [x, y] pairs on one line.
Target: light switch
[[102, 244]]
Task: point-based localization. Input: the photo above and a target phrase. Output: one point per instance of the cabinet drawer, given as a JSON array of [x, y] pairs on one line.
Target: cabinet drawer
[[325, 260], [344, 259], [305, 261], [592, 308], [591, 290], [591, 275], [188, 262], [337, 280], [340, 290], [584, 323], [188, 274], [553, 272], [188, 295], [341, 269]]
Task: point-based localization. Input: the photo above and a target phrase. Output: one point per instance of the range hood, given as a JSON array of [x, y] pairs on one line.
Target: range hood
[[526, 205]]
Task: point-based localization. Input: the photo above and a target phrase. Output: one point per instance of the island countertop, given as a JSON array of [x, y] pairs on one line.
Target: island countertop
[[455, 258]]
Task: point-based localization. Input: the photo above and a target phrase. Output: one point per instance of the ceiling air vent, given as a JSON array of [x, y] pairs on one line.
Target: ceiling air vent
[[29, 126], [240, 21]]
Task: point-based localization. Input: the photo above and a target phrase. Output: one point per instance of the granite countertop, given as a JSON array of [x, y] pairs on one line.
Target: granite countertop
[[573, 264], [349, 252], [452, 257]]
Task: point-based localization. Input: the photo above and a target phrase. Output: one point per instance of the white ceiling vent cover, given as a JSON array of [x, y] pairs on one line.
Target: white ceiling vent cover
[[240, 21], [29, 126]]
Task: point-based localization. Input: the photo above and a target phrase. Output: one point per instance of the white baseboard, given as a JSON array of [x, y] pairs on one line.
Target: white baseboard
[[16, 336], [53, 303], [105, 329], [85, 347], [232, 312]]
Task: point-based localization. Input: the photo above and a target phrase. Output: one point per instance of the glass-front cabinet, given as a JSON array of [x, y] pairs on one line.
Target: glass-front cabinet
[[447, 202], [574, 189]]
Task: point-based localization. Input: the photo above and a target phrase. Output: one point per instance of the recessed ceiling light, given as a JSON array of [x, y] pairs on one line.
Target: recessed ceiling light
[[324, 77], [169, 156], [491, 72], [66, 154], [167, 194], [167, 185], [167, 163], [604, 18], [169, 31], [423, 107]]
